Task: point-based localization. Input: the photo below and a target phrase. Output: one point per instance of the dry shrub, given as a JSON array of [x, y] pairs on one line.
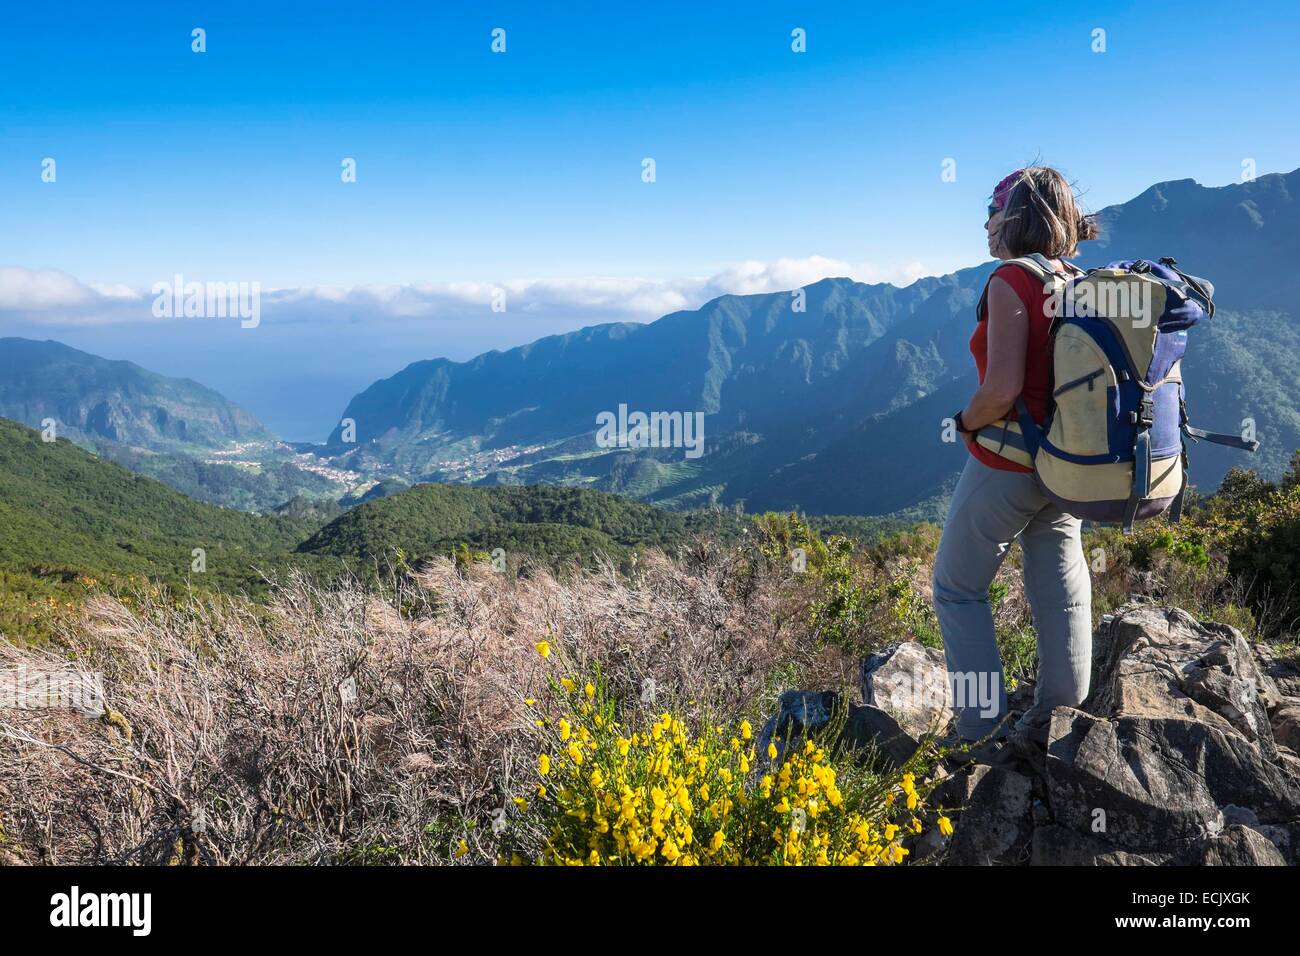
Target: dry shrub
[[346, 724]]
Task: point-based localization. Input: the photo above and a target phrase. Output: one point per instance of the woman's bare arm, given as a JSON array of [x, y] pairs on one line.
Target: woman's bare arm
[[1008, 341]]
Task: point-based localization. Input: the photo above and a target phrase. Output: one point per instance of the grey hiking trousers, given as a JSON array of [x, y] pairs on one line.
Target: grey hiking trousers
[[990, 509]]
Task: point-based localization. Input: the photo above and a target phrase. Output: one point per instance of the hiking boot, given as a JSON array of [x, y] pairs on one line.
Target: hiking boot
[[1029, 747], [963, 750]]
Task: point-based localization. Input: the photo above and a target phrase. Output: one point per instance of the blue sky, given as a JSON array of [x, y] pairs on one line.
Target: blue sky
[[482, 169]]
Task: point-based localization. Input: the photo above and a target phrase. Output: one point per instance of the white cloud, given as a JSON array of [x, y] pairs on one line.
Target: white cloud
[[40, 289], [49, 296]]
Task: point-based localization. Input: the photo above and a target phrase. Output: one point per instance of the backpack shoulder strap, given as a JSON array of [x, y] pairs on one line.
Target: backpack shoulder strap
[[1038, 266]]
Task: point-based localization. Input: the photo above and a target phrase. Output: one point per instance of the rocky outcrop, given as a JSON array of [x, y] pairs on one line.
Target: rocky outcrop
[[1184, 754], [1173, 759], [1003, 801]]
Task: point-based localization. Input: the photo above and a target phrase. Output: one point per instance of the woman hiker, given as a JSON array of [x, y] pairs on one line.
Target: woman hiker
[[1032, 213]]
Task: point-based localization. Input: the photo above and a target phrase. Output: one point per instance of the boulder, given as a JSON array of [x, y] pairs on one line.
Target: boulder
[[1241, 846], [1154, 661], [1172, 758], [1283, 670], [802, 714], [1104, 777], [872, 727], [910, 682]]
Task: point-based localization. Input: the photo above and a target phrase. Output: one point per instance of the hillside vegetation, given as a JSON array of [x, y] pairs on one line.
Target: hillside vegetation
[[541, 521], [493, 717], [63, 507], [72, 523]]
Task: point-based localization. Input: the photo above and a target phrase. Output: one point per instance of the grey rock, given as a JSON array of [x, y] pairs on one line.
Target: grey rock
[[1184, 754], [1244, 816], [1107, 774], [1055, 845], [1152, 661], [871, 727], [1283, 670], [1285, 721], [800, 713], [996, 825], [910, 682], [1241, 846]]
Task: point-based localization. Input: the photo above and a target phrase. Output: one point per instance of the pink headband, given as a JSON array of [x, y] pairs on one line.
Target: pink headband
[[1003, 189]]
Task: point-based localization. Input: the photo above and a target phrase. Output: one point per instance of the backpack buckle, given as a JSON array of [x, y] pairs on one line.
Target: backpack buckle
[[1145, 414]]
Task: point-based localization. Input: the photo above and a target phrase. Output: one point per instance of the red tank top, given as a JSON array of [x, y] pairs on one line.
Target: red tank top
[[1037, 389]]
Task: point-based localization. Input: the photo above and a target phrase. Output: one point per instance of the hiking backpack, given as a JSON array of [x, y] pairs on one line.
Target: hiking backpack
[[1112, 449]]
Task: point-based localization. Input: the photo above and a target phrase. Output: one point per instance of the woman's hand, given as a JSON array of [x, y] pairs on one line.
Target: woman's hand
[[1008, 341]]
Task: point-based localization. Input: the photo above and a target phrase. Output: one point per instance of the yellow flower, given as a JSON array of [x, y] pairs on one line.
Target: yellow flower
[[945, 826], [462, 849], [590, 689], [771, 751], [568, 683], [716, 843], [565, 729], [544, 764], [746, 731], [521, 803], [530, 702], [543, 648]]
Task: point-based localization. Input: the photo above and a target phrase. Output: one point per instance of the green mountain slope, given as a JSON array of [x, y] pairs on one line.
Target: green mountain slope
[[539, 521], [66, 516], [61, 507], [175, 430], [90, 397]]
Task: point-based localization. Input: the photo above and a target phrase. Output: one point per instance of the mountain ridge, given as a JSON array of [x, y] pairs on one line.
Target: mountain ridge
[[91, 397], [805, 386]]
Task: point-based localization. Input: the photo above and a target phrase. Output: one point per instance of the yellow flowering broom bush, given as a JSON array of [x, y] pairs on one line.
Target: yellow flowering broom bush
[[659, 793]]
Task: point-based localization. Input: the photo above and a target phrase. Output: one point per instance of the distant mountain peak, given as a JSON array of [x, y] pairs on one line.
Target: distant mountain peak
[[90, 397]]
